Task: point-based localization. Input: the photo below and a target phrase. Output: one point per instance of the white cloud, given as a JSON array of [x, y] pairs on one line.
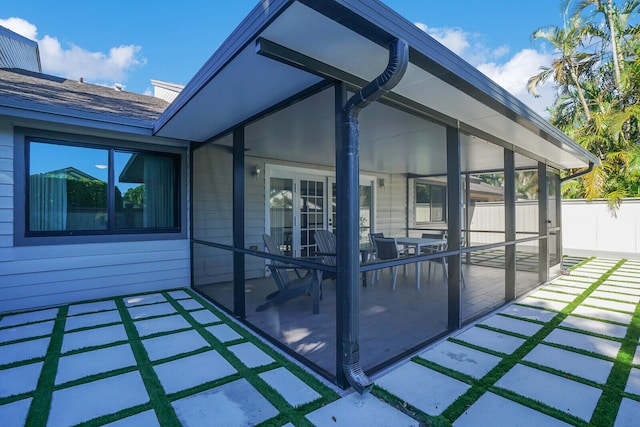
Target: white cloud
[[514, 74], [73, 61], [510, 72], [20, 26]]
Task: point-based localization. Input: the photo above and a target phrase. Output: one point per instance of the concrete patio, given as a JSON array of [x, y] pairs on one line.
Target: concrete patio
[[567, 354]]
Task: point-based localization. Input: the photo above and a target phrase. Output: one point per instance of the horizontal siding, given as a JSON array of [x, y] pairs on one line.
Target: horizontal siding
[[48, 275], [6, 185]]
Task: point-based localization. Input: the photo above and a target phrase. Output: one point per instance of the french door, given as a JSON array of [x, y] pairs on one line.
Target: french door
[[297, 207]]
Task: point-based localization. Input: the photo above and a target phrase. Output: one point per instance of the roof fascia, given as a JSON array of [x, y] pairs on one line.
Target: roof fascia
[[68, 116]]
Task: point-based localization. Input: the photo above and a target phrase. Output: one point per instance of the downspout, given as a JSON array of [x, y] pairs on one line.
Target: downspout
[[348, 234], [578, 174]]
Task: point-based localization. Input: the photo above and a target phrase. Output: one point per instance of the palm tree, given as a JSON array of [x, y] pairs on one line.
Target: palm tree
[[572, 64]]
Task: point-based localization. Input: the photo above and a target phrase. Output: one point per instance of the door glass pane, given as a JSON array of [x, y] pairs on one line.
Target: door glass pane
[[365, 212], [281, 213], [311, 214]]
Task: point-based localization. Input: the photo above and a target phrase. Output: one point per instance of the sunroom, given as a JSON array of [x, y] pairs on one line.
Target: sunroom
[[459, 175]]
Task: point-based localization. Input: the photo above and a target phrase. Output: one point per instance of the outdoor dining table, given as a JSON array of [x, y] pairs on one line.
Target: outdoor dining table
[[418, 243]]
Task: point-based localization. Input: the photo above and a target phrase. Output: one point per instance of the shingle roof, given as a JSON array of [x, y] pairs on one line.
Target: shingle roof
[[22, 86]]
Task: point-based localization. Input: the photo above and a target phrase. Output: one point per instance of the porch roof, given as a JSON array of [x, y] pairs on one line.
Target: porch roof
[[347, 40]]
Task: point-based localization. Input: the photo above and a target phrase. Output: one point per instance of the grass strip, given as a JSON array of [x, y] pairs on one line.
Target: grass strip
[[287, 411], [609, 403], [41, 404], [455, 410], [159, 400]]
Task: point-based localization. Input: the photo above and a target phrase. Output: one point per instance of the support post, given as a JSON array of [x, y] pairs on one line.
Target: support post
[[543, 221], [510, 225], [454, 201], [239, 309]]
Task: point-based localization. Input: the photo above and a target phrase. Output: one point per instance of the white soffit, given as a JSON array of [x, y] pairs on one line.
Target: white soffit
[[247, 85], [306, 31]]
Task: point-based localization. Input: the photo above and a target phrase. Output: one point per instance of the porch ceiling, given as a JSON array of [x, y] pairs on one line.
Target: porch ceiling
[[236, 84]]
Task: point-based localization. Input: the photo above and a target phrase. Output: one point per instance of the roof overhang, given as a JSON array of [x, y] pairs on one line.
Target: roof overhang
[[284, 48]]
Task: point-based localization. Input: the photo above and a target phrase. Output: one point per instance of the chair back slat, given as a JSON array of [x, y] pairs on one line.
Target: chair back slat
[[326, 242], [280, 275], [386, 248]]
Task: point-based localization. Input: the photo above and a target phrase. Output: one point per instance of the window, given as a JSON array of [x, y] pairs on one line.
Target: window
[[431, 203], [75, 190]]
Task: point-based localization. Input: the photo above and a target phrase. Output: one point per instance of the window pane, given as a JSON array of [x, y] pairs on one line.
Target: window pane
[[145, 191], [67, 187]]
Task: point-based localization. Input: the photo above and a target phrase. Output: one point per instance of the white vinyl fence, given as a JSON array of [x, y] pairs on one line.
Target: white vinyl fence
[[590, 228]]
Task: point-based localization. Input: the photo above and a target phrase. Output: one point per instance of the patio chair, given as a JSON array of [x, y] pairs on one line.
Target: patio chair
[[288, 287], [441, 248], [387, 248], [439, 234], [374, 252], [326, 243]]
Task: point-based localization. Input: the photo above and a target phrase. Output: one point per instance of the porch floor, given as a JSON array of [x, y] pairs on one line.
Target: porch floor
[[392, 322]]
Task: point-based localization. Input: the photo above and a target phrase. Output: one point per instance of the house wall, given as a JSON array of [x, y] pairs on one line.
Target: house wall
[[213, 215], [47, 275]]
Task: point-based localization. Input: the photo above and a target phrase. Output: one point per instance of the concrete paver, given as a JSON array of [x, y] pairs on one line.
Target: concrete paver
[[73, 405], [591, 368], [76, 366], [510, 324], [93, 337], [633, 383], [356, 410], [543, 303], [190, 304], [144, 299], [611, 305], [411, 381], [594, 326], [204, 317], [173, 344], [146, 419], [556, 296], [628, 414], [20, 379], [585, 342], [529, 313], [144, 311], [294, 390], [33, 316], [191, 371], [91, 319], [25, 350], [602, 314], [250, 355], [491, 340], [15, 413], [26, 331], [232, 404], [569, 396], [91, 307], [461, 358], [495, 411], [223, 332], [161, 324]]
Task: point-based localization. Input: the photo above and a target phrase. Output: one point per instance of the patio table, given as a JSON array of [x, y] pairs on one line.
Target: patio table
[[418, 243]]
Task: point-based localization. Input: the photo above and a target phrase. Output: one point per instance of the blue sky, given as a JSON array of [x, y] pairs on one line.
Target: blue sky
[[131, 42]]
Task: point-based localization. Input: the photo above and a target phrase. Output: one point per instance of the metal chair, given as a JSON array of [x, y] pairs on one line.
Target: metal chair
[[387, 248], [374, 253]]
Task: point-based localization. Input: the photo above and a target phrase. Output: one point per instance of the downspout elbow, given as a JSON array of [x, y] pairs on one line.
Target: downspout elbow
[[579, 174]]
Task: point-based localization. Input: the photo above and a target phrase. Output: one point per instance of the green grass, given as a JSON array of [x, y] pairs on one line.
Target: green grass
[[161, 402], [612, 392]]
